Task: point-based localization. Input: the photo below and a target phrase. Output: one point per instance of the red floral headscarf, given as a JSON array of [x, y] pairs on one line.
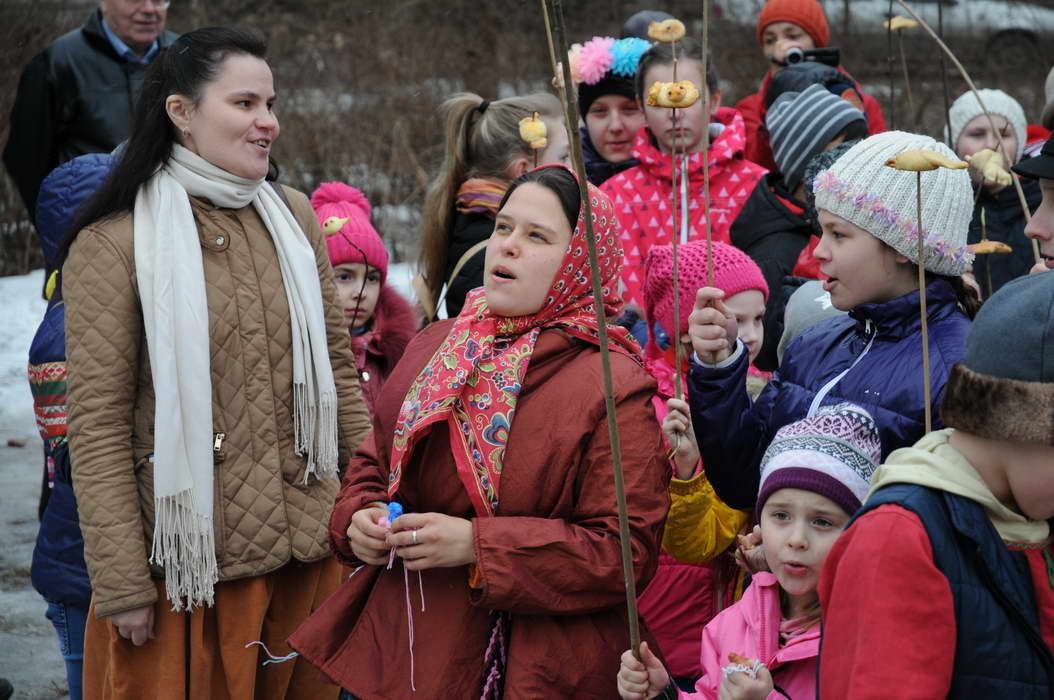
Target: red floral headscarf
[[473, 380]]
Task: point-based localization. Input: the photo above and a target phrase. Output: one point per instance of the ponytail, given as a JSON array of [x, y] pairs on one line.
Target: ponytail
[[481, 140]]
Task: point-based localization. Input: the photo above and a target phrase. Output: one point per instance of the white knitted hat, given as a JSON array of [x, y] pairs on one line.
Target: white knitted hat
[[862, 189], [964, 109]]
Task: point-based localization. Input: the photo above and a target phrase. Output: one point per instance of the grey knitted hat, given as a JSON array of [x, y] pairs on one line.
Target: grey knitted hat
[[1004, 387], [807, 306], [862, 189], [801, 124], [966, 107]]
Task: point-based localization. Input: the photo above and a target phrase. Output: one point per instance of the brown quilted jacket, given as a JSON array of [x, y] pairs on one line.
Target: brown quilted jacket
[[264, 514]]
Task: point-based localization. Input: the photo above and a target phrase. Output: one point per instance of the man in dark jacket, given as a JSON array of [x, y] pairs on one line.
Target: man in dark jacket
[[76, 96]]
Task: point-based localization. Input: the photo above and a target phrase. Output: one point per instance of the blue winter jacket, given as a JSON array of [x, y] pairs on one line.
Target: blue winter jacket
[[58, 571], [872, 357]]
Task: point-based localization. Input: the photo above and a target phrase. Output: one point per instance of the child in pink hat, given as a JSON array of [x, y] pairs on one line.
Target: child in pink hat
[[380, 321], [697, 576]]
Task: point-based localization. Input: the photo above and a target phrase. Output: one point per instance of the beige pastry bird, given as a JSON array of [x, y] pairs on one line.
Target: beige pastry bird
[[989, 247], [991, 166], [677, 95], [666, 31], [533, 131], [921, 160], [333, 224], [900, 22]]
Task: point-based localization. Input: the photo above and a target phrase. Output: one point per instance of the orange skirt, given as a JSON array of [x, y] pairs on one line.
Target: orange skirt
[[202, 654]]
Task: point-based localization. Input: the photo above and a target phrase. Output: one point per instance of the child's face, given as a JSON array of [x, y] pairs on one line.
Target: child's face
[[692, 121], [1031, 481], [860, 268], [977, 135], [558, 150], [1041, 225], [358, 287], [749, 310], [797, 530], [778, 37], [612, 120]]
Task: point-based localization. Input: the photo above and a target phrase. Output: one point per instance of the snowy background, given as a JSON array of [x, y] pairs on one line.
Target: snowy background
[[29, 652]]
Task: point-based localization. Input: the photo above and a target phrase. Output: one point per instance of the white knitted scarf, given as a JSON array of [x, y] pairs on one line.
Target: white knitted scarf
[[172, 293]]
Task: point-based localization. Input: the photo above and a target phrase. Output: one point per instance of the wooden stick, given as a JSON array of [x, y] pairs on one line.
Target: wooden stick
[[706, 145], [889, 67], [973, 88], [922, 309], [907, 78], [987, 259], [675, 191], [570, 100], [552, 52]]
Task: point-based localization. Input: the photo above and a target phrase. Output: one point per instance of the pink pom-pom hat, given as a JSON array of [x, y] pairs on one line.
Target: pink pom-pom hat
[[357, 241]]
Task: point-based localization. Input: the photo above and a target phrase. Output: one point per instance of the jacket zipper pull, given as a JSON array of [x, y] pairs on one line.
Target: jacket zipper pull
[[217, 446]]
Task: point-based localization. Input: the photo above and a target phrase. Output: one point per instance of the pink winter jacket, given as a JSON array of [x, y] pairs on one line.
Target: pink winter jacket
[[751, 627], [641, 195]]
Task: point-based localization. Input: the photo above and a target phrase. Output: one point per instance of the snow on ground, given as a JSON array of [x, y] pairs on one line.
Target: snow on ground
[[29, 653]]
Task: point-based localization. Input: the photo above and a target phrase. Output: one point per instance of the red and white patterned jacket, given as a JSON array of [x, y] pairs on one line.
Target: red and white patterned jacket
[[641, 195]]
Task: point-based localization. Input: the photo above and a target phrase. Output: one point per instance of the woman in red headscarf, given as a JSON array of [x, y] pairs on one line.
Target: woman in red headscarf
[[491, 432]]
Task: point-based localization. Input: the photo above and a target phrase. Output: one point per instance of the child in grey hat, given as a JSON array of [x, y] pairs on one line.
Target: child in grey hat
[[944, 582]]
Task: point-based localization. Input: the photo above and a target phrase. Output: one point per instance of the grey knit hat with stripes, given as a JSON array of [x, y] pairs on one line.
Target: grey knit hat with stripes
[[801, 124]]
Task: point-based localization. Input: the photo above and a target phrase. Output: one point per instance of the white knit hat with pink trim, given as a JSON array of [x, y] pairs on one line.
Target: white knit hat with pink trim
[[862, 189]]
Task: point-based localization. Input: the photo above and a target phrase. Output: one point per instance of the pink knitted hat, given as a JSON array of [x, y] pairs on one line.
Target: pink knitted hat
[[734, 272], [356, 239]]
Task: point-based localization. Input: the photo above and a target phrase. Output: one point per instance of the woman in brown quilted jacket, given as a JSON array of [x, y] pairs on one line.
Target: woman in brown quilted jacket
[[211, 392]]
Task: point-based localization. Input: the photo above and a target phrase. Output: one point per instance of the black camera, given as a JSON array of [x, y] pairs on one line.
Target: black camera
[[830, 57]]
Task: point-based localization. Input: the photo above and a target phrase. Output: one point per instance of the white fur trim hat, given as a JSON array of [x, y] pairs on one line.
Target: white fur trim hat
[[964, 109], [862, 189]]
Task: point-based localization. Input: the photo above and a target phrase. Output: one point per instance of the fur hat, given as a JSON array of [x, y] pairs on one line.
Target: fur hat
[[356, 241], [862, 189], [807, 14], [1004, 387], [966, 108], [833, 453], [734, 272]]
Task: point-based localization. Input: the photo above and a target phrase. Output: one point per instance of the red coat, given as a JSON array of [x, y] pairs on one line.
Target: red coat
[[551, 558], [378, 350], [752, 107], [641, 196], [889, 615]]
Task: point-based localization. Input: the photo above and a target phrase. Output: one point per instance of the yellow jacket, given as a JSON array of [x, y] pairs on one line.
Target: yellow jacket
[[700, 526]]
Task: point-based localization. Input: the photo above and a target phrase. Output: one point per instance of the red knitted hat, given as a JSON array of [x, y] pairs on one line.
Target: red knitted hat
[[734, 272], [807, 14], [356, 239]]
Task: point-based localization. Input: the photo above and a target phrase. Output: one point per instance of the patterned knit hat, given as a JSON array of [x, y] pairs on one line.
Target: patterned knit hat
[[356, 241], [964, 109], [862, 189], [807, 14], [833, 453], [801, 124], [605, 66], [734, 272]]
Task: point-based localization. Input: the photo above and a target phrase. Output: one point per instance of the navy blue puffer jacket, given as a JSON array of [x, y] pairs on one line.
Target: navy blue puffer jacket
[[872, 357], [58, 571]]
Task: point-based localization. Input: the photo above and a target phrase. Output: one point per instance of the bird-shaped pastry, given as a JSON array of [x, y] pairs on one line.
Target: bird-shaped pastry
[[989, 247], [666, 31], [333, 224], [677, 95], [921, 160], [533, 131], [991, 167], [900, 22]]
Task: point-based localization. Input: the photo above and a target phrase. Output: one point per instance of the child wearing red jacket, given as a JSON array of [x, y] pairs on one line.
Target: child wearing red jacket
[[642, 195], [379, 320], [943, 585]]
